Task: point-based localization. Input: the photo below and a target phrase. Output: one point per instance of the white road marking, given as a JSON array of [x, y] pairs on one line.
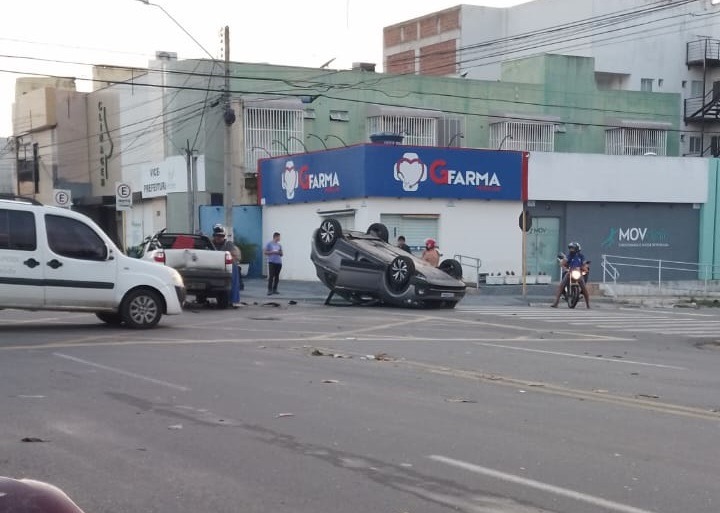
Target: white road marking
[[672, 323], [581, 356], [531, 483], [122, 372]]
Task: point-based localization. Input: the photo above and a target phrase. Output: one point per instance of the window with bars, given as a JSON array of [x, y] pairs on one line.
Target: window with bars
[[418, 131], [522, 136], [271, 132], [695, 145], [636, 141]]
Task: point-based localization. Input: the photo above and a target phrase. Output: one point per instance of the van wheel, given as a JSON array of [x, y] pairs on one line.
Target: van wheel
[[110, 318], [141, 308]]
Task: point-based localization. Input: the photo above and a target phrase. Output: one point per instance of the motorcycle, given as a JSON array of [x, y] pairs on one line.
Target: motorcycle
[[573, 291]]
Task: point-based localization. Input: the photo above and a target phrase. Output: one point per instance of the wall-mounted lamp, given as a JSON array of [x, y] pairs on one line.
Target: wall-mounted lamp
[[263, 149], [336, 137], [458, 135], [508, 136], [298, 140], [318, 138], [283, 146]]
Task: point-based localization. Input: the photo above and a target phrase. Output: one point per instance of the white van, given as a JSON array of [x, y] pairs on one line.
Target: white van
[[52, 258]]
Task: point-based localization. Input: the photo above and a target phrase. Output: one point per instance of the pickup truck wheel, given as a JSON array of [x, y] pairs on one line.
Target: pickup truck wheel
[[110, 318], [223, 301], [141, 308]]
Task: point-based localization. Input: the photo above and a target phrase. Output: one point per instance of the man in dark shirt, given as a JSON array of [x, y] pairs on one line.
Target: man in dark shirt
[[401, 244]]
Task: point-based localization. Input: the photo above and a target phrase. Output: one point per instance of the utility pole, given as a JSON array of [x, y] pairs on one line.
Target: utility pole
[[229, 119], [190, 162]]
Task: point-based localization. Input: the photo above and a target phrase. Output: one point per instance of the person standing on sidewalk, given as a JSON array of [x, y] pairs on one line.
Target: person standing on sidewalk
[[274, 253], [221, 243]]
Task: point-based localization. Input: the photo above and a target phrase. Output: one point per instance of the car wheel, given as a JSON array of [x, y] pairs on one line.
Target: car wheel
[[380, 230], [451, 267], [398, 274], [141, 308], [110, 318], [327, 235]]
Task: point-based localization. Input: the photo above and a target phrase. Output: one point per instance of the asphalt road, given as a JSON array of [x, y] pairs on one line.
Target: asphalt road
[[496, 406]]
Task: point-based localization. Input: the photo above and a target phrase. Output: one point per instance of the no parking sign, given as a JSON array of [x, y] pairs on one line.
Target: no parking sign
[[123, 196], [62, 197]]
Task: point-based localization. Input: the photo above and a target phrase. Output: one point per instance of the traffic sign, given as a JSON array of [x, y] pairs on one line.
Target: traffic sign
[[62, 197], [123, 196]]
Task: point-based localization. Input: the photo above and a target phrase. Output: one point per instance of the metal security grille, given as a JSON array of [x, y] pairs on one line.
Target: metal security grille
[[522, 136], [271, 132], [418, 131], [635, 141]]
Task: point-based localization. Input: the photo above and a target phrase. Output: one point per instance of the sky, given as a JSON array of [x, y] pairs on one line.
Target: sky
[[66, 37]]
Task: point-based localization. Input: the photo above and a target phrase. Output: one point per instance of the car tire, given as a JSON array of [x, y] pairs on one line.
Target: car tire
[[380, 230], [451, 267], [398, 274], [111, 318], [223, 300], [141, 309], [327, 235]]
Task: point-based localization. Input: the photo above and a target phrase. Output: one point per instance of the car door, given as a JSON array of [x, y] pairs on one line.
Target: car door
[[21, 272], [80, 271]]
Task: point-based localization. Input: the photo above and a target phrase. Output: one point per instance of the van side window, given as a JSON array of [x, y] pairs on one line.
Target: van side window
[[17, 230], [73, 239]]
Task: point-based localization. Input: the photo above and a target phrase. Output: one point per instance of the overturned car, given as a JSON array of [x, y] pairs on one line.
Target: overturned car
[[364, 268]]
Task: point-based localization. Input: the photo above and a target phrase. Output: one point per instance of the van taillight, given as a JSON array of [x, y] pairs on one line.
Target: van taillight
[[159, 256]]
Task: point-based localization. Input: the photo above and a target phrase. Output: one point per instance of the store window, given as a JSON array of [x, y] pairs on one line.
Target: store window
[[646, 85]]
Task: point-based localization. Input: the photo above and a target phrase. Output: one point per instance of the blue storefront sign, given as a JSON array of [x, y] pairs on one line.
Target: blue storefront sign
[[377, 170]]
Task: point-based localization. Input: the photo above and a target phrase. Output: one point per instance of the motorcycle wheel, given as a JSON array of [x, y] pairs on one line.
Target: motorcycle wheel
[[574, 297]]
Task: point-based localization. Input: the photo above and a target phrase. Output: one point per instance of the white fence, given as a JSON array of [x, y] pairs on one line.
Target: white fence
[[662, 274]]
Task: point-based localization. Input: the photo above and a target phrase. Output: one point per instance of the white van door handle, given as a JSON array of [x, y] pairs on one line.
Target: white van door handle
[[31, 263], [54, 263]]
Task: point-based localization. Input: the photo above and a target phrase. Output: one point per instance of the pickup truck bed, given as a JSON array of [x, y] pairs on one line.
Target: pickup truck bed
[[205, 271]]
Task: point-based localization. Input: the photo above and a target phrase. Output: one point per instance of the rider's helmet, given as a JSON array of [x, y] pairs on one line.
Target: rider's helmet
[[430, 243], [574, 247]]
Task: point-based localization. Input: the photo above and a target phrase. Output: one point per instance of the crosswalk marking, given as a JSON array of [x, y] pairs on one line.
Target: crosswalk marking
[[691, 325]]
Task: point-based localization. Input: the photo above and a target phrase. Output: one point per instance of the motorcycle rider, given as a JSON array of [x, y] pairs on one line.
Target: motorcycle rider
[[573, 260]]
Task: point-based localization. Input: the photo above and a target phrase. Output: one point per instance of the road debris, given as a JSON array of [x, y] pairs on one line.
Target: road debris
[[32, 439], [281, 415], [460, 400], [647, 396], [176, 426], [330, 381]]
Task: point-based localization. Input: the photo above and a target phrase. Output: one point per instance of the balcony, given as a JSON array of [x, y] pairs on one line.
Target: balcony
[[705, 51]]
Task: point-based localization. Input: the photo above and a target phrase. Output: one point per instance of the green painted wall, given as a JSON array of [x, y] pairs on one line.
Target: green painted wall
[[710, 224]]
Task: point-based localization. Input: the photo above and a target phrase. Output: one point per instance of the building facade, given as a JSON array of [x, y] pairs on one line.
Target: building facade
[[638, 45]]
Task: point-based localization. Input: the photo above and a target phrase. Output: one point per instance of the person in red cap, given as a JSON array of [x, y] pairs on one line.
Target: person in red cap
[[431, 254]]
